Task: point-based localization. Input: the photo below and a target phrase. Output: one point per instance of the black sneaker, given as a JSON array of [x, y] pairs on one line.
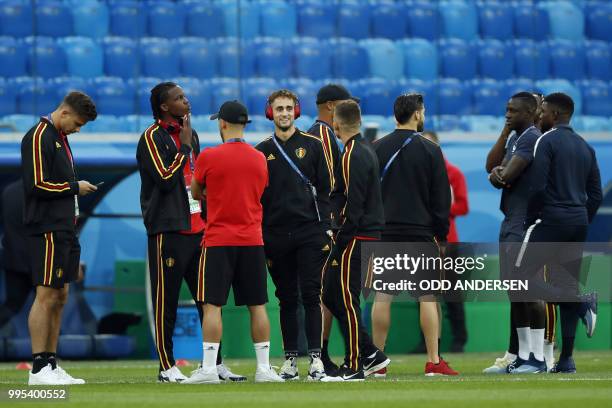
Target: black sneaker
[[374, 362], [515, 364], [587, 311], [330, 367], [345, 374], [564, 366]]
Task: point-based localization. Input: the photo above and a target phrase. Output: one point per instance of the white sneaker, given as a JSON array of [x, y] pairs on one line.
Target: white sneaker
[[499, 367], [172, 375], [226, 375], [47, 376], [71, 380], [203, 375], [289, 370], [267, 374], [317, 370]]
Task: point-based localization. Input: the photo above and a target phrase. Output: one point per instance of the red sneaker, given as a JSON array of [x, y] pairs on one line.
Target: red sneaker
[[441, 368], [382, 373]]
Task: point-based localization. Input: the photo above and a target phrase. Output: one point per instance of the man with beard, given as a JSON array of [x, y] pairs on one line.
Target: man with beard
[[417, 199], [166, 156], [296, 227]]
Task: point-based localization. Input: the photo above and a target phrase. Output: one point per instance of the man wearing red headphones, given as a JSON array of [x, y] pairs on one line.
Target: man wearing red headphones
[[296, 227]]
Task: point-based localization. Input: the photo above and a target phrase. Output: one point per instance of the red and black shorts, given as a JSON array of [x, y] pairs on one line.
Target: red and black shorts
[[242, 268], [54, 258]]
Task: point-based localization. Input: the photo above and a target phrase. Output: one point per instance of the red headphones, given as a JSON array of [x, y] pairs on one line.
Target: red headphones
[[296, 110]]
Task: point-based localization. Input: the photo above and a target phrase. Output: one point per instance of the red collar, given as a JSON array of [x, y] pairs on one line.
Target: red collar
[[172, 127]]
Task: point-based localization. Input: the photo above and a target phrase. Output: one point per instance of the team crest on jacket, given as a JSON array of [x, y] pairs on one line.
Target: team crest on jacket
[[300, 152], [59, 272], [169, 262]]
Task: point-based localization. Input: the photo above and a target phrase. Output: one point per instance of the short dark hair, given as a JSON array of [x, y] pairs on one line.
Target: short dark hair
[[283, 93], [82, 105], [562, 102], [159, 95], [348, 113], [405, 105], [433, 135], [528, 98]]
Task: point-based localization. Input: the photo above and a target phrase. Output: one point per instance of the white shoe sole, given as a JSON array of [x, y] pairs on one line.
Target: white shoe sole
[[376, 368]]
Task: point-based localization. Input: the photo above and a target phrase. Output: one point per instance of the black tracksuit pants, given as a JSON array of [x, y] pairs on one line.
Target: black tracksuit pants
[[295, 262]]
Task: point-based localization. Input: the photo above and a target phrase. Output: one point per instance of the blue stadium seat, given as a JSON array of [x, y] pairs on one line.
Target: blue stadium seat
[[454, 97], [224, 89], [386, 59], [63, 85], [198, 93], [272, 56], [166, 19], [316, 19], [449, 123], [495, 59], [567, 59], [496, 20], [8, 98], [354, 21], [530, 22], [255, 93], [379, 122], [278, 19], [311, 58], [548, 86], [484, 123], [114, 96], [306, 90], [566, 20], [377, 96], [596, 98], [260, 123], [304, 122], [128, 19], [349, 60], [53, 19], [459, 19], [420, 58], [488, 97], [91, 19], [202, 123], [16, 18], [514, 86], [233, 60], [45, 58], [84, 57], [598, 60], [598, 19], [387, 20], [240, 19], [531, 59], [104, 124], [198, 57], [204, 20], [142, 86], [591, 124], [35, 96], [424, 20], [13, 56], [428, 89], [120, 57], [458, 59], [159, 57], [20, 122]]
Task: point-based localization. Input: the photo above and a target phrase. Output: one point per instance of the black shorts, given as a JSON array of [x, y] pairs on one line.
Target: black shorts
[[243, 268], [54, 258]]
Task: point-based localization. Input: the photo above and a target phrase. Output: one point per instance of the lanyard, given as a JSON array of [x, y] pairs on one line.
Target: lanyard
[[386, 169], [311, 187]]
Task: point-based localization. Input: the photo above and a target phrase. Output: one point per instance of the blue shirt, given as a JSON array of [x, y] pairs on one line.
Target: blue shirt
[[514, 198], [565, 180]]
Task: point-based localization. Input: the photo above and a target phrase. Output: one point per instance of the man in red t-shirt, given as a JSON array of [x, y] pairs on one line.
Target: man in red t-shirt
[[233, 177]]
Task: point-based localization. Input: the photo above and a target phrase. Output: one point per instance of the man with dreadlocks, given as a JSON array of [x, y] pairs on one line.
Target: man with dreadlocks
[[166, 156]]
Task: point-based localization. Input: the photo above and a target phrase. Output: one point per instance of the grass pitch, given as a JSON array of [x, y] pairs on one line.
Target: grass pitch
[[133, 384]]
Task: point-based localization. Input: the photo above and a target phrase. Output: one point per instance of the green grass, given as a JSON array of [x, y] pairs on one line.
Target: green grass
[[132, 384]]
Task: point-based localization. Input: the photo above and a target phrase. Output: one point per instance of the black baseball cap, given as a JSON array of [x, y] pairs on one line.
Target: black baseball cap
[[334, 92], [232, 112]]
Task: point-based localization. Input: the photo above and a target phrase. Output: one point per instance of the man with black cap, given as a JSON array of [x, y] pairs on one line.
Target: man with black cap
[[166, 156], [232, 177]]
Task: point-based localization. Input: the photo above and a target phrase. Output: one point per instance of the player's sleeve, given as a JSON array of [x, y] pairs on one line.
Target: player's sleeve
[[458, 185], [323, 185], [440, 196], [37, 152], [542, 158], [593, 189], [355, 176], [152, 157], [524, 147]]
